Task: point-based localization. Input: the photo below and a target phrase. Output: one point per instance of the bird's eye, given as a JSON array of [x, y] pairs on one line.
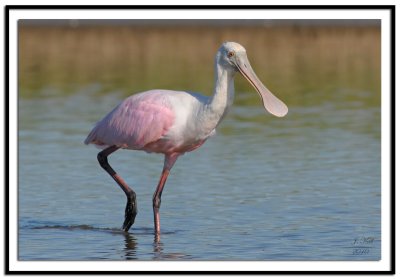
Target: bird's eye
[[230, 54]]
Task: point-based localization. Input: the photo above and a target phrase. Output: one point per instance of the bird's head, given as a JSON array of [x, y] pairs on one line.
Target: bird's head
[[232, 56]]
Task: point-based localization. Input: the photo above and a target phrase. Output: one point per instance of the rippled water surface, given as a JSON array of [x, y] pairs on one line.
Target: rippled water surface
[[303, 187]]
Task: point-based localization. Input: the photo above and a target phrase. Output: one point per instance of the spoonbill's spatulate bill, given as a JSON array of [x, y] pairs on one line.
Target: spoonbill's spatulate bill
[[174, 122]]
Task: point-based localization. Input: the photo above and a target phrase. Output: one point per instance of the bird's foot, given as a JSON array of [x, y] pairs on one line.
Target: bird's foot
[[130, 213]]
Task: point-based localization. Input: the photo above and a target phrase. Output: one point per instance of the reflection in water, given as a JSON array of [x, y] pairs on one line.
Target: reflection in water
[[130, 246], [158, 247], [159, 254], [157, 238]]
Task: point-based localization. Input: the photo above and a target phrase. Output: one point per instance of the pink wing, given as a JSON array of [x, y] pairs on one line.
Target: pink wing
[[140, 119]]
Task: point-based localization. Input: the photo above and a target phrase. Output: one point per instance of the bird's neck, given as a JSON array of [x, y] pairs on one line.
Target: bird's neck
[[224, 91]]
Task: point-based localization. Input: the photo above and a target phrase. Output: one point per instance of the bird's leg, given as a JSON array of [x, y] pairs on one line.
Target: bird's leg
[[131, 206], [157, 200], [168, 163]]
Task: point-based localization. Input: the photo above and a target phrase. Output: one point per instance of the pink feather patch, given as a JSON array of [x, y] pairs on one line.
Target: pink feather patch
[[134, 123]]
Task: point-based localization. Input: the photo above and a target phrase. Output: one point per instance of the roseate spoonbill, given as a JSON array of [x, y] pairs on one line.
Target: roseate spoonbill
[[174, 122]]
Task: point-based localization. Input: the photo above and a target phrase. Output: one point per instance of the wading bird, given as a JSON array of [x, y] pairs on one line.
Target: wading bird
[[174, 122]]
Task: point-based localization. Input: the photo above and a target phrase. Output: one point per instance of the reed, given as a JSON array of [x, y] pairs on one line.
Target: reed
[[294, 59]]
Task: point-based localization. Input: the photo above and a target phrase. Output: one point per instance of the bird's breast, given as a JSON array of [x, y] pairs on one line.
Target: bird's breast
[[168, 145], [190, 128]]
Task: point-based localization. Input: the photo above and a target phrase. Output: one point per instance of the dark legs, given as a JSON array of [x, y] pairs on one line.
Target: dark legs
[[168, 163], [131, 206]]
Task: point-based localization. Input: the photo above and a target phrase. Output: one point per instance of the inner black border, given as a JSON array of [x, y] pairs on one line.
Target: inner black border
[[390, 8]]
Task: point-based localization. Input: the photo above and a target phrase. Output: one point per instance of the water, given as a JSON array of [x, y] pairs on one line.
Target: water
[[303, 187]]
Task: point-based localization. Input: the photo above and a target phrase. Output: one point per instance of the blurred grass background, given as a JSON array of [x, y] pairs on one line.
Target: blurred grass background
[[293, 60]]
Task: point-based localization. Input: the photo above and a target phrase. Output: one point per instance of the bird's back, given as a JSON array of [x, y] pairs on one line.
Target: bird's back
[[136, 121], [145, 118]]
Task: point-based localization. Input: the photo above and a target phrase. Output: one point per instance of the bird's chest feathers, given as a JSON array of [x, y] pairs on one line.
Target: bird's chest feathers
[[196, 120], [191, 127]]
